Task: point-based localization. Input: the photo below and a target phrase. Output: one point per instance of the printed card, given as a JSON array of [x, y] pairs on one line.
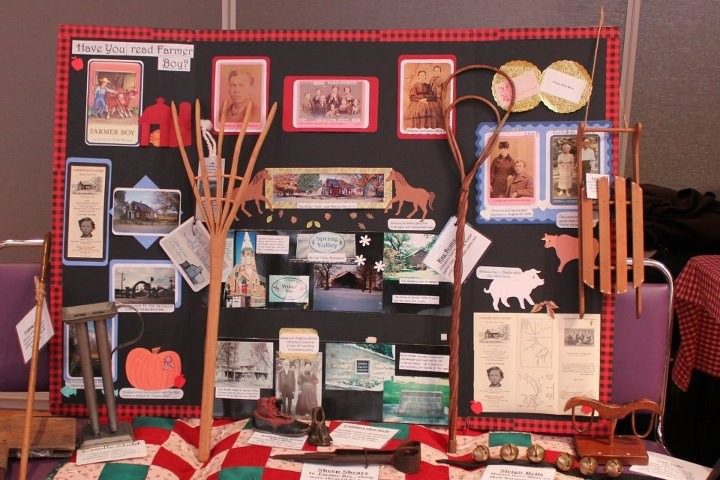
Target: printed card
[[113, 102], [328, 188], [145, 212], [188, 247], [146, 286], [318, 104], [239, 82], [421, 93], [86, 205]]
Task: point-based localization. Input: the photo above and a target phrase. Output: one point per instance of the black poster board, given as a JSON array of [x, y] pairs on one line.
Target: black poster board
[[424, 162]]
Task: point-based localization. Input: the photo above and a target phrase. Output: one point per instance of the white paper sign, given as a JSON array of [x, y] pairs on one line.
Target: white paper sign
[[362, 436], [299, 340], [273, 244], [238, 393], [165, 394], [188, 248], [25, 329], [417, 299], [276, 441], [668, 468], [441, 256], [562, 85], [108, 453], [174, 64], [313, 471], [591, 180], [485, 272], [424, 362], [411, 224], [513, 472], [132, 49]]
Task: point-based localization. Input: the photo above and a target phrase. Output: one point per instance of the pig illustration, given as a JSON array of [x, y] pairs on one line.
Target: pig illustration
[[518, 286], [567, 248]]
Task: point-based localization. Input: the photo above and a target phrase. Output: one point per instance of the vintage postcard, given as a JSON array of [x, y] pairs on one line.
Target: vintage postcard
[[298, 382], [86, 205], [72, 371], [531, 173], [358, 366], [146, 212], [147, 286], [355, 286], [113, 102], [404, 255], [422, 400], [331, 188], [243, 366], [241, 82], [247, 284], [317, 104], [421, 95]]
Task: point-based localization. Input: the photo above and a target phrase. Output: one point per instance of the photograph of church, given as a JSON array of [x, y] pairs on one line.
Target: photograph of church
[[245, 286]]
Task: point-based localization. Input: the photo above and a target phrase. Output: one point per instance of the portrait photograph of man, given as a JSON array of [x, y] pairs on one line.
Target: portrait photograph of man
[[239, 83]]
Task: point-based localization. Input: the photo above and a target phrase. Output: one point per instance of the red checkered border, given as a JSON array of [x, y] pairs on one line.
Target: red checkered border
[[68, 32]]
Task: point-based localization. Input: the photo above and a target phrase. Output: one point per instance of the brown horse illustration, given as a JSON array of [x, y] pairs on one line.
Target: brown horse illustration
[[404, 192], [255, 192]]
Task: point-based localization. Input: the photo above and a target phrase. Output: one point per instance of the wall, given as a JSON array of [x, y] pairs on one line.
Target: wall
[[27, 100], [675, 95]]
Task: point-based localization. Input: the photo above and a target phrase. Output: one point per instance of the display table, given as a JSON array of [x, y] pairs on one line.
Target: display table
[[172, 445], [697, 304]]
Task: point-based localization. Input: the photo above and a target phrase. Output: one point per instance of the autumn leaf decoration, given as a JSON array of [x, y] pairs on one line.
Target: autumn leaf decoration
[[548, 305]]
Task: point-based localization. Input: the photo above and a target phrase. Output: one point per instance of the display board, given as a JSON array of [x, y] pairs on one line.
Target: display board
[[357, 132]]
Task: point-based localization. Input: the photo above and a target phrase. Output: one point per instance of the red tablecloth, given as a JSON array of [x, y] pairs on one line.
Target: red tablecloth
[[697, 304]]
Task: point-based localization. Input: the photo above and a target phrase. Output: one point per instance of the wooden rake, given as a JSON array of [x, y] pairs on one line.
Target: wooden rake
[[219, 220], [612, 221]]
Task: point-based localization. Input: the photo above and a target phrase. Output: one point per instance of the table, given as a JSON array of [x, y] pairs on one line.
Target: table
[[697, 304]]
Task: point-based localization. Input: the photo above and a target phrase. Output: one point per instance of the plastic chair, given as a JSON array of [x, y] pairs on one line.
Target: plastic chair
[[642, 348]]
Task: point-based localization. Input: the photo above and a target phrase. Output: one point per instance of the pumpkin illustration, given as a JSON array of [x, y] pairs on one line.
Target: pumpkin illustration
[[152, 370]]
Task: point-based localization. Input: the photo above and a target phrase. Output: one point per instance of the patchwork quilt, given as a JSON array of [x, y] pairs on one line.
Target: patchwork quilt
[[172, 448]]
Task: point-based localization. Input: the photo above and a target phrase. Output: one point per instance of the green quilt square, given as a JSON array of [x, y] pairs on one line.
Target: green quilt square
[[157, 422], [124, 471], [241, 473]]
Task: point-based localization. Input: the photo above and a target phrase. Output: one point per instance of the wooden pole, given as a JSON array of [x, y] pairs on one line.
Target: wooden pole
[[466, 179], [32, 380]]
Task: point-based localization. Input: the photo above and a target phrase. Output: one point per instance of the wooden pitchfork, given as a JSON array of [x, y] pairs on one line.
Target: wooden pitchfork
[[612, 219], [219, 220], [466, 179]]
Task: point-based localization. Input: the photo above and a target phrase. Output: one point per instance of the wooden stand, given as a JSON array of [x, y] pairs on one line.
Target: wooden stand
[[220, 211], [611, 213], [628, 450]]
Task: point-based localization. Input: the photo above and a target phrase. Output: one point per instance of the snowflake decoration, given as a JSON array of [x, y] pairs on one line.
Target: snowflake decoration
[[360, 260], [379, 266], [365, 240]]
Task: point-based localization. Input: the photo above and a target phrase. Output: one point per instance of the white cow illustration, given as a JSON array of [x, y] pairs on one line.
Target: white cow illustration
[[518, 286]]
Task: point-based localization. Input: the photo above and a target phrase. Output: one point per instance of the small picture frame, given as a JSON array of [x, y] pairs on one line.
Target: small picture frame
[[241, 81], [421, 93], [328, 104]]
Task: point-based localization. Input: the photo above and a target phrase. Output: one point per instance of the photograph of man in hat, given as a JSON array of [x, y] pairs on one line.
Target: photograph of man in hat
[[502, 171]]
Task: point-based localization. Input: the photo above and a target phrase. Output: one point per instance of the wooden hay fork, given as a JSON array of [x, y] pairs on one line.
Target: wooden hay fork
[[612, 219], [219, 220]]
